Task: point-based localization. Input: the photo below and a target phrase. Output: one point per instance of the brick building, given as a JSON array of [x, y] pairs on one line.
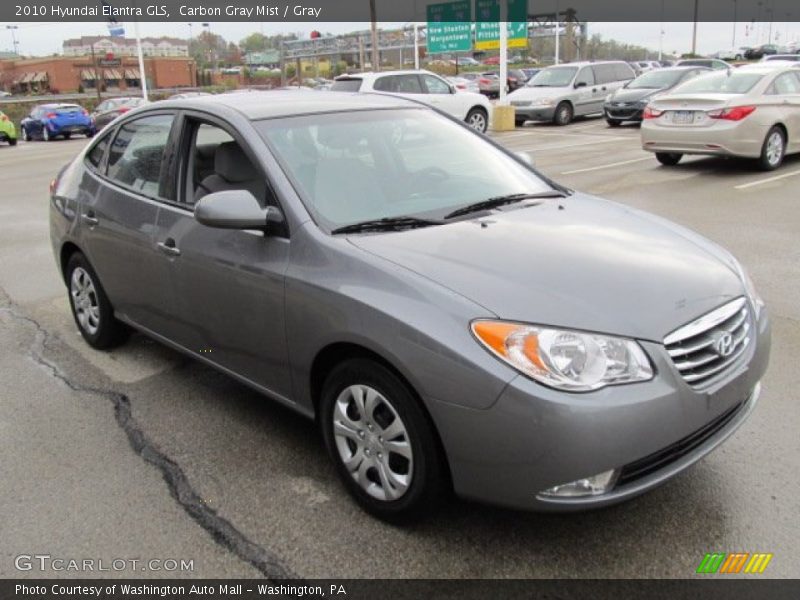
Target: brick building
[[66, 74], [120, 46]]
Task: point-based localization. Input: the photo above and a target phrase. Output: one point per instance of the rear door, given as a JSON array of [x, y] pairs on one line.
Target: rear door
[[585, 95], [121, 196], [786, 88]]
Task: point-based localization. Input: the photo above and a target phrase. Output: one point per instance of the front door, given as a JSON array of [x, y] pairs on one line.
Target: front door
[[228, 285]]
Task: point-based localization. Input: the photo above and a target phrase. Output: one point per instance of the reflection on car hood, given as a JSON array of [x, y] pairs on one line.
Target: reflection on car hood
[[593, 265], [628, 95]]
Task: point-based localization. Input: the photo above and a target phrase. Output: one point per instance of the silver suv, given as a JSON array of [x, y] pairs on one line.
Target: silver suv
[[563, 92]]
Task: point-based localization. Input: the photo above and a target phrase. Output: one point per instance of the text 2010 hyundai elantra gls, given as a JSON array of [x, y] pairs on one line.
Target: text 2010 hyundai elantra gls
[[451, 318]]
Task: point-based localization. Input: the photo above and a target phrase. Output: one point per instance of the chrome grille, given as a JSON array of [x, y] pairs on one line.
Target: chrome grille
[[705, 347]]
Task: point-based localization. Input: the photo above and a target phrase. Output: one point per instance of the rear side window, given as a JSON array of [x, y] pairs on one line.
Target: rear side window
[[623, 72], [346, 85], [605, 73], [136, 158], [95, 155]]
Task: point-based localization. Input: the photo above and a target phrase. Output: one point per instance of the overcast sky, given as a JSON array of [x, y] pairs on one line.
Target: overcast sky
[[46, 38]]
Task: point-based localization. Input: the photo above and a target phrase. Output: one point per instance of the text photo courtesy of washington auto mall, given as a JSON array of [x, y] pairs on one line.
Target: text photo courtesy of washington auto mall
[[399, 299]]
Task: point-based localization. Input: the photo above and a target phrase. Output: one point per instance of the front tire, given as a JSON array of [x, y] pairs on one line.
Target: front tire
[[90, 306], [382, 443], [773, 149], [67, 136], [25, 136], [519, 122], [669, 159], [46, 134], [564, 114], [478, 119]]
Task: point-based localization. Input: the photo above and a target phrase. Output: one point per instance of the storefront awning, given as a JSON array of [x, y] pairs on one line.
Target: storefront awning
[[88, 75], [39, 77], [26, 78], [112, 74], [131, 73]]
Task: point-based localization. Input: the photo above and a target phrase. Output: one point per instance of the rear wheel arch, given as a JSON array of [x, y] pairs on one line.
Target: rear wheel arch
[[67, 250], [337, 353]]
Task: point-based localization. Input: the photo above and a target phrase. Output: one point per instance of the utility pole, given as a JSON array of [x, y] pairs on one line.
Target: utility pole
[[97, 78], [376, 53], [661, 34], [694, 29], [416, 48], [15, 43], [142, 74], [558, 26], [733, 43]]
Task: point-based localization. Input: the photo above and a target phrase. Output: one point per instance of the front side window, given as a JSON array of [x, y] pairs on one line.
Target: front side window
[[586, 76], [356, 166], [136, 158]]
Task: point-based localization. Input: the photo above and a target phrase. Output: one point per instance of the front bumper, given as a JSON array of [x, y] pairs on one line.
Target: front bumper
[[534, 113], [623, 113], [534, 438]]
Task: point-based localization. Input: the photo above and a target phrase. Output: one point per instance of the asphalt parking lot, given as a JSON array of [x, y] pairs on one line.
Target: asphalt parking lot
[[142, 453]]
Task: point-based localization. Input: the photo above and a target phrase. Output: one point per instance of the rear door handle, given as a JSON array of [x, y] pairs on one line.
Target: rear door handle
[[168, 247], [90, 219]]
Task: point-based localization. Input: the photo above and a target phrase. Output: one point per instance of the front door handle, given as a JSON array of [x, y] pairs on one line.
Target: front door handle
[[168, 247], [90, 219]]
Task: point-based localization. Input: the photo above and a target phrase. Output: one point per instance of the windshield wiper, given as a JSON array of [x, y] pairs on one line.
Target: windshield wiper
[[387, 224], [501, 201]]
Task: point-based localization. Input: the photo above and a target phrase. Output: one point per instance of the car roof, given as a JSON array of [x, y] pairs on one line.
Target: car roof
[[289, 103], [373, 75]]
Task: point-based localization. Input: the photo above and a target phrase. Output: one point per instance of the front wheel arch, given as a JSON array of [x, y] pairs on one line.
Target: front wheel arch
[[67, 250], [332, 355]]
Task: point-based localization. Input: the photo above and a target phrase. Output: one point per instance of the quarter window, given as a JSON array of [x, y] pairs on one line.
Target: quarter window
[[136, 158], [95, 156], [435, 85], [788, 83]]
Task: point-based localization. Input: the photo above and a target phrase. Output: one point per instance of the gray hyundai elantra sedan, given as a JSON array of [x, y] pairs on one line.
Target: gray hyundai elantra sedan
[[453, 320]]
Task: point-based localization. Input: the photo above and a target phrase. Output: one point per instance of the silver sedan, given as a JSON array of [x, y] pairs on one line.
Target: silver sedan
[[752, 112]]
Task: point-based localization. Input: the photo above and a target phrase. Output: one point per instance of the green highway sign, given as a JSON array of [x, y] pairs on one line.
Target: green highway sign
[[449, 27], [487, 26]]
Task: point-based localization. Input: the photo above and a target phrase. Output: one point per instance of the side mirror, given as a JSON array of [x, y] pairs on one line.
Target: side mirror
[[452, 89], [235, 209], [580, 84], [525, 157]]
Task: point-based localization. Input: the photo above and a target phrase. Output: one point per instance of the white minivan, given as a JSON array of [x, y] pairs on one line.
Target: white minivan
[[563, 92]]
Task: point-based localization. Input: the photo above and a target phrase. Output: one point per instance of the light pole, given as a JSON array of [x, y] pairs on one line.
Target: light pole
[[694, 29], [661, 34], [733, 43], [15, 43]]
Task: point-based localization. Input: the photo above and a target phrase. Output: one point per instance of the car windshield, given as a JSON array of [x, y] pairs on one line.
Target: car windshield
[[358, 166], [553, 77], [722, 82], [657, 80]]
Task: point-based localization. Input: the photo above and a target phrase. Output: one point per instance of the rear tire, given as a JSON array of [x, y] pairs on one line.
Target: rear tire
[[478, 120], [67, 136], [90, 306], [90, 134], [773, 149], [564, 114], [397, 479], [519, 122], [12, 142], [669, 159]]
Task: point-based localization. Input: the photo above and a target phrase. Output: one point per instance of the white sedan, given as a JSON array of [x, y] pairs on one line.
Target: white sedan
[[752, 112]]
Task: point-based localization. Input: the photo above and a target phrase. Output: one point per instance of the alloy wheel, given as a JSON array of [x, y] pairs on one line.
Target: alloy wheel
[[477, 121], [85, 301], [372, 442], [774, 148]]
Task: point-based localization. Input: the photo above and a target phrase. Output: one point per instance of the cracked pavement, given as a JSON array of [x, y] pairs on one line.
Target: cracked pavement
[[143, 453]]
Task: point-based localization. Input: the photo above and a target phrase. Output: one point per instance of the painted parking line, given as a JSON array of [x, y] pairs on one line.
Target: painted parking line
[[744, 186], [607, 166], [606, 140]]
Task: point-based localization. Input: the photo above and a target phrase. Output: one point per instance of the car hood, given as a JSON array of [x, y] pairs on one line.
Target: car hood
[[628, 95], [532, 93], [579, 262]]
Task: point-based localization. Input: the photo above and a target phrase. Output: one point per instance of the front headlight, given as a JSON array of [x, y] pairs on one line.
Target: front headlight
[[750, 290], [542, 102], [573, 361]]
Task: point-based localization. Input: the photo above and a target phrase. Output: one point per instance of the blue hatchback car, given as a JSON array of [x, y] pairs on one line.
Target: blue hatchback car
[[48, 121]]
